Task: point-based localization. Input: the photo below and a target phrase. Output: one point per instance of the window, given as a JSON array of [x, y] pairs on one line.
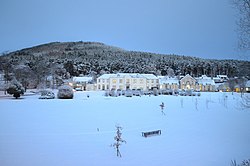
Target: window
[[141, 81], [120, 81], [114, 81], [127, 81]]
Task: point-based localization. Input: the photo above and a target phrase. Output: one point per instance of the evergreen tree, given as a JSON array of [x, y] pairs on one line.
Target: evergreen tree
[[15, 88]]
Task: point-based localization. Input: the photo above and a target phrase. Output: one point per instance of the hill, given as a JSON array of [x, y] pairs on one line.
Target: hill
[[93, 58]]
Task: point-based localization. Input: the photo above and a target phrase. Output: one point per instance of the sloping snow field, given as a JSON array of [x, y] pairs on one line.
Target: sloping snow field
[[210, 130]]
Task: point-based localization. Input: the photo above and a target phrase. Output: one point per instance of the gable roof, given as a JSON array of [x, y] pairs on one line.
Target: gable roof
[[206, 81], [187, 76], [82, 79], [168, 80]]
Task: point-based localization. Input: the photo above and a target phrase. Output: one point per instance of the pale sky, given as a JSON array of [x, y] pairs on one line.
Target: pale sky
[[201, 28]]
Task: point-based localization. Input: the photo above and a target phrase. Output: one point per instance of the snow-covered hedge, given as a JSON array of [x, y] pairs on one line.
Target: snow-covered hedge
[[65, 92]]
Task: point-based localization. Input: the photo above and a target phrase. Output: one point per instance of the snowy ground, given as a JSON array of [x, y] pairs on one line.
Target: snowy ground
[[210, 130]]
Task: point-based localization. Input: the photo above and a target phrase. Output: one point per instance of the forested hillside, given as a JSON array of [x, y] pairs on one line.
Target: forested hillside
[[92, 58]]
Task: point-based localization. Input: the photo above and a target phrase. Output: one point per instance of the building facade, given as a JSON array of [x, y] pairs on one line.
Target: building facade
[[124, 81], [168, 82], [206, 84], [188, 82], [82, 83]]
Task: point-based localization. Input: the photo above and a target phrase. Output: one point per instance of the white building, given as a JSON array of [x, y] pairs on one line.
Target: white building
[[83, 83], [248, 86], [206, 83], [188, 82], [220, 78], [168, 82], [125, 81]]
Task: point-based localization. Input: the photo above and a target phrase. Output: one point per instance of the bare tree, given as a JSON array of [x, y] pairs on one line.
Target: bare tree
[[242, 84], [243, 7], [162, 106], [196, 104], [118, 140], [7, 67], [170, 72], [181, 102], [24, 75], [232, 84], [243, 163]]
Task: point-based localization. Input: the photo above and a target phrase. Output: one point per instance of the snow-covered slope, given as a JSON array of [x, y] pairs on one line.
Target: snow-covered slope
[[208, 130]]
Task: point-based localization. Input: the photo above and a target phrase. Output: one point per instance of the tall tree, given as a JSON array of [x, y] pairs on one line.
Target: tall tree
[[242, 84], [243, 7], [232, 83], [24, 75]]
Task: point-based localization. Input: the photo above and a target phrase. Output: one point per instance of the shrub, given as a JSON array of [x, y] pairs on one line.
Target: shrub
[[106, 94], [155, 92], [47, 94], [15, 88], [65, 92]]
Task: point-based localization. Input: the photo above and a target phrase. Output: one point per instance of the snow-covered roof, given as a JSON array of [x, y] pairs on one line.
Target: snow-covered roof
[[205, 77], [248, 83], [82, 79], [206, 81], [168, 80], [222, 76], [132, 75], [50, 78], [149, 76], [106, 76], [187, 76]]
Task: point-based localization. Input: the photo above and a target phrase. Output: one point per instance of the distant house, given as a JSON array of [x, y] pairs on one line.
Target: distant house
[[82, 83], [220, 78], [166, 82], [248, 86], [223, 87], [125, 81], [206, 83], [188, 82]]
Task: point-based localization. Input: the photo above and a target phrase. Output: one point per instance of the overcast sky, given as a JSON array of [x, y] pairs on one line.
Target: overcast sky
[[201, 28]]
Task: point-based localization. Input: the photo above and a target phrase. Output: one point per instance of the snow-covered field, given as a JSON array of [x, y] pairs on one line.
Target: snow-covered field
[[210, 130]]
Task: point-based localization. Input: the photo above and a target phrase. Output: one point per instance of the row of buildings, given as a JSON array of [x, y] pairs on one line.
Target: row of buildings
[[124, 81]]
